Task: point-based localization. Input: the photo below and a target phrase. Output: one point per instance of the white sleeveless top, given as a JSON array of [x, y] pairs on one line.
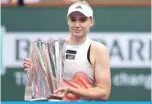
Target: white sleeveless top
[[76, 61]]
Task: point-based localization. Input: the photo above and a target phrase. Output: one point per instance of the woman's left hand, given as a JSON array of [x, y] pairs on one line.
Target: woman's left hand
[[60, 93]]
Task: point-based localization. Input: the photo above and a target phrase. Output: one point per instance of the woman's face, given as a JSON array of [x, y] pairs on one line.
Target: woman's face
[[79, 24]]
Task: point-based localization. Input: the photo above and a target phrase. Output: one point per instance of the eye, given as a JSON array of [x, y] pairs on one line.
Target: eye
[[83, 19], [73, 19]]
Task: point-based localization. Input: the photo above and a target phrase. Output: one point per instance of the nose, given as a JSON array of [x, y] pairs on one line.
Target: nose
[[77, 24]]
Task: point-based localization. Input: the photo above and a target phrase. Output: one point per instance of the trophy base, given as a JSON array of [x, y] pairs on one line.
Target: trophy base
[[47, 98], [39, 99], [55, 100]]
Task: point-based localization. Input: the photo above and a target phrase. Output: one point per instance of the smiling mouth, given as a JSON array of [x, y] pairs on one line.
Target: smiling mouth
[[77, 31]]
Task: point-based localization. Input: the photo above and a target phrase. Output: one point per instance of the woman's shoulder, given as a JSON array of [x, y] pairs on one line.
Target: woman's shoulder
[[98, 50], [98, 46]]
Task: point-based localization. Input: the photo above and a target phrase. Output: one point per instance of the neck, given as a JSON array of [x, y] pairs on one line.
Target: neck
[[74, 40]]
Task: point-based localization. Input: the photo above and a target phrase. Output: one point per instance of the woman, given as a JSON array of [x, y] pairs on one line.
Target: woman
[[87, 69]]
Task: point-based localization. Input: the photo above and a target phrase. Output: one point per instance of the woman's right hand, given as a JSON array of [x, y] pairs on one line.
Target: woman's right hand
[[27, 64]]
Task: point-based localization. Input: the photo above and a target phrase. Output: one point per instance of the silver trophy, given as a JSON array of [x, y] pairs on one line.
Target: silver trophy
[[46, 75]]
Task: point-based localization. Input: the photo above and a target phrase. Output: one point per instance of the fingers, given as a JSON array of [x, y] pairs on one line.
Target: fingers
[[26, 69], [59, 93], [53, 96], [27, 60], [62, 89], [27, 64]]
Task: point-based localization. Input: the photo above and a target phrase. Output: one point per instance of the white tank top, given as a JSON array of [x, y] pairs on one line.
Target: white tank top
[[77, 62]]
